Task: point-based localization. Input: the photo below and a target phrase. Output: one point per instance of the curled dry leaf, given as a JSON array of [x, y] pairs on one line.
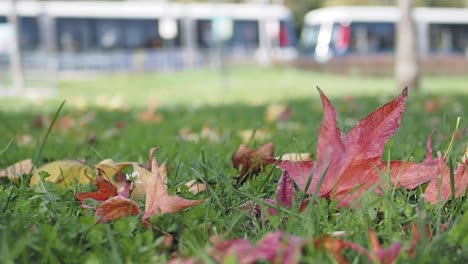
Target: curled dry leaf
[[15, 171], [158, 201], [116, 208], [64, 173], [250, 162], [113, 172]]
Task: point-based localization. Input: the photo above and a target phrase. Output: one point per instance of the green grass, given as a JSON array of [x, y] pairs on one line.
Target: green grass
[[236, 85], [49, 226]]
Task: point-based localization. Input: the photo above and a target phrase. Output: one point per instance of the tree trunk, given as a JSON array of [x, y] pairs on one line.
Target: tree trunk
[[407, 56], [15, 59]]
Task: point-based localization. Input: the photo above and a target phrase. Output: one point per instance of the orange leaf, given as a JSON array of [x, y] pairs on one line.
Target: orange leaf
[[116, 208], [158, 200], [105, 191]]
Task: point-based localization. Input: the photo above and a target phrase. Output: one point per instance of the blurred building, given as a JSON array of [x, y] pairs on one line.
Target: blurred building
[[148, 35]]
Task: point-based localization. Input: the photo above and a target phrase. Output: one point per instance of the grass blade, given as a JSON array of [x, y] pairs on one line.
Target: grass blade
[[44, 139]]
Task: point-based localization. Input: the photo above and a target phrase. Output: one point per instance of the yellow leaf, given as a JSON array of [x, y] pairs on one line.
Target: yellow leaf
[[296, 157], [64, 173], [17, 170], [113, 172]]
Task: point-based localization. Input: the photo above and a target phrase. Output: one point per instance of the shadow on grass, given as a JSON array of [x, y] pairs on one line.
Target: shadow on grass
[[184, 131]]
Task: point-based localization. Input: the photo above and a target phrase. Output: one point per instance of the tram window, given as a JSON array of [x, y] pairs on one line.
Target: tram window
[[143, 33], [372, 37], [245, 34], [109, 34], [287, 36], [309, 38], [140, 34], [448, 38], [29, 33], [205, 37], [75, 34]]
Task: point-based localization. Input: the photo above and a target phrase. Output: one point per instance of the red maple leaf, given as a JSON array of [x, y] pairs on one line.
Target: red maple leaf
[[349, 164], [116, 208], [158, 200], [440, 188], [104, 192]]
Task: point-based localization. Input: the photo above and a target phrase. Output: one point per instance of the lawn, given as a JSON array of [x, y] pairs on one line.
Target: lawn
[[199, 117]]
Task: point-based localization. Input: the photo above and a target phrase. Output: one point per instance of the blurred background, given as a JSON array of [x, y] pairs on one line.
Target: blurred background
[[47, 45]]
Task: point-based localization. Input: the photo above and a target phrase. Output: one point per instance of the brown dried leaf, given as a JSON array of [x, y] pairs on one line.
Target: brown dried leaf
[[116, 208], [251, 161]]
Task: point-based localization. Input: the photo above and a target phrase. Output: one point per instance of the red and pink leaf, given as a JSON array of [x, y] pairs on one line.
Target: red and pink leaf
[[116, 208], [276, 247], [442, 183], [286, 191], [301, 171], [348, 165]]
